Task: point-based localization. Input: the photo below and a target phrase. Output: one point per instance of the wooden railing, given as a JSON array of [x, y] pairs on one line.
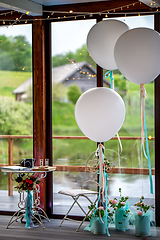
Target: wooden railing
[[143, 171]]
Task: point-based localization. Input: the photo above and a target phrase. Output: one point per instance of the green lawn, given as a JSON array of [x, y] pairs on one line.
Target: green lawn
[[9, 80]]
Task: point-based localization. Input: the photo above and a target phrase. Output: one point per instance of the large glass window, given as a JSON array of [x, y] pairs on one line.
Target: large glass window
[[16, 117], [73, 73]]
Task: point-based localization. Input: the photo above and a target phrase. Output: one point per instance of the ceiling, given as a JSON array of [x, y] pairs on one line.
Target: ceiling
[[60, 2]]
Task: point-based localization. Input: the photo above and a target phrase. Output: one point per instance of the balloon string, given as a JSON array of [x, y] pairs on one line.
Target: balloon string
[[102, 183], [110, 74], [120, 143], [142, 108]]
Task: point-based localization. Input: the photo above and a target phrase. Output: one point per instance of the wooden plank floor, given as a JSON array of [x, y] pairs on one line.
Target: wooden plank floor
[[67, 232]]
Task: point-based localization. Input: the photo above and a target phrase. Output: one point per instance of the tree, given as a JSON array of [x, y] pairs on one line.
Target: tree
[[15, 54], [80, 55], [74, 93], [15, 117]]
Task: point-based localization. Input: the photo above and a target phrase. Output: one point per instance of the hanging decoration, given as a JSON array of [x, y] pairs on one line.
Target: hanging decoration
[[137, 55], [56, 15], [101, 40], [99, 218], [140, 48], [100, 113]]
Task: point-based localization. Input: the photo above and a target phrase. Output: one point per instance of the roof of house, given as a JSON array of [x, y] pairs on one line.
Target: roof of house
[[59, 75], [23, 87]]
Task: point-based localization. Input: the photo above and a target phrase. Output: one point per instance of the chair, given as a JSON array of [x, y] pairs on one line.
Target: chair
[[90, 173]]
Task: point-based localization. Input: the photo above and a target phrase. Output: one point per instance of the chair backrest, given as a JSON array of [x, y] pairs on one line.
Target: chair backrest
[[90, 174]]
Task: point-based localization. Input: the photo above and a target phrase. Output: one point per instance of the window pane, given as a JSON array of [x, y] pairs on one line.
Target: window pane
[[16, 117], [71, 152]]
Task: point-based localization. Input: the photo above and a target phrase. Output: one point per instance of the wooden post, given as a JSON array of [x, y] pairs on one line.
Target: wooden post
[[39, 99], [99, 69], [48, 59], [157, 136], [10, 162]]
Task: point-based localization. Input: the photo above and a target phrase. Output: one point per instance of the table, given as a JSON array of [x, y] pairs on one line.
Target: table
[[37, 212]]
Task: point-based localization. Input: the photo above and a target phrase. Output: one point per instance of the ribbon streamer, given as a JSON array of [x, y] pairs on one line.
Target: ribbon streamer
[[110, 74], [29, 211], [102, 185], [144, 133]]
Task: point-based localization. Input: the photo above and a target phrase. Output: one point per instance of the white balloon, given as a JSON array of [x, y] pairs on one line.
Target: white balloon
[[137, 54], [101, 40], [100, 113]]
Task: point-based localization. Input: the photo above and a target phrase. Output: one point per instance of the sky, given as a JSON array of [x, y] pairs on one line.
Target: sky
[[70, 35]]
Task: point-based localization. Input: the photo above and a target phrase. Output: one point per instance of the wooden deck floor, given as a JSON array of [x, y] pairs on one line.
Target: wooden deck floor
[[67, 232]]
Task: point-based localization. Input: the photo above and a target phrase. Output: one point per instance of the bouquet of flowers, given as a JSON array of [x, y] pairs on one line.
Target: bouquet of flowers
[[118, 204], [142, 207], [26, 182], [100, 212]]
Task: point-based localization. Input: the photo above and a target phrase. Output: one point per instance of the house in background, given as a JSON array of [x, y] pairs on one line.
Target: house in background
[[81, 74]]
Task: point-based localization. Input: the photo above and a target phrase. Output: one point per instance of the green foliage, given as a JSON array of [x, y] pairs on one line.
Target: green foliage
[[59, 92], [142, 207], [74, 93], [80, 55], [15, 117], [63, 115], [15, 54]]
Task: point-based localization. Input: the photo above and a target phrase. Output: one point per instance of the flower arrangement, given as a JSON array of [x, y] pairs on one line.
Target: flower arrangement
[[26, 182], [142, 207], [115, 204], [100, 212]]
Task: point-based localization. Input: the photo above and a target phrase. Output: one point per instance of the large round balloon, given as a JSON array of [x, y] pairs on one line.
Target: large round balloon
[[137, 54], [100, 113], [101, 40]]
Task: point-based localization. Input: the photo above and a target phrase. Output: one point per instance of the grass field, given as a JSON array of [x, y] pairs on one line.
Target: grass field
[[9, 80]]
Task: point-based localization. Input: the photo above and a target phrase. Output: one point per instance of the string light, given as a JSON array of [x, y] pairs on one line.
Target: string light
[[81, 14]]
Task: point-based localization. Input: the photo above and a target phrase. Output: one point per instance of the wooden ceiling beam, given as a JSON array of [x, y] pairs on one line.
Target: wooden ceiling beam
[[94, 7]]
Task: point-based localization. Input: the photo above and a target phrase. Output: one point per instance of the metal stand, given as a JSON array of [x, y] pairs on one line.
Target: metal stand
[[37, 211]]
